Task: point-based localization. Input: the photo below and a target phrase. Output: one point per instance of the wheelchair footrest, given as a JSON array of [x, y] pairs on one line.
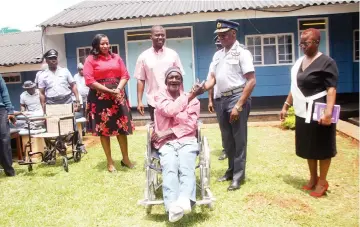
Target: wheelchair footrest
[[204, 201], [146, 202], [22, 162]]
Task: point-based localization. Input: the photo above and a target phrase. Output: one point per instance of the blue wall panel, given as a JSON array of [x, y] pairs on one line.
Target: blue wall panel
[[16, 89], [271, 80]]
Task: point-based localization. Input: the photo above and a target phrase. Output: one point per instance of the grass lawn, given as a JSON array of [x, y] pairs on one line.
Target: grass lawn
[[271, 196]]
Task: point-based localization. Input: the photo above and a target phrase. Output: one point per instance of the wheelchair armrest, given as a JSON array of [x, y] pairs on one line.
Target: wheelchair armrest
[[66, 117]]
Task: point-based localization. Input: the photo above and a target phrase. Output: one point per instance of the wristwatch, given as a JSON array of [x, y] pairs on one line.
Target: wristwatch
[[238, 108]]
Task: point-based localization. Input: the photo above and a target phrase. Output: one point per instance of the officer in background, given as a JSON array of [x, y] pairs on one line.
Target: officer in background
[[214, 100], [234, 74], [56, 84]]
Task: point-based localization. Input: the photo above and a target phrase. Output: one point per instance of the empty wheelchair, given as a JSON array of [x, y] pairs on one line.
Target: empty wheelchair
[[60, 134], [153, 173]]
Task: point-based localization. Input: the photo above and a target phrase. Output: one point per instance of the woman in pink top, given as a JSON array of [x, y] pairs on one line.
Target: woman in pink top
[[176, 115], [108, 109]]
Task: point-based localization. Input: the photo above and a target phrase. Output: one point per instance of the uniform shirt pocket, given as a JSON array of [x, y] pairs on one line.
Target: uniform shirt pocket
[[232, 61]]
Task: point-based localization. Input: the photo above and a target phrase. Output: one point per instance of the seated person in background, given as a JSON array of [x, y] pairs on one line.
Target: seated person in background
[[30, 100], [176, 115]]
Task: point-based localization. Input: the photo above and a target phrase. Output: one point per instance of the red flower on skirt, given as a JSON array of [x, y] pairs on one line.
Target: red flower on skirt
[[102, 128], [104, 116], [122, 123]]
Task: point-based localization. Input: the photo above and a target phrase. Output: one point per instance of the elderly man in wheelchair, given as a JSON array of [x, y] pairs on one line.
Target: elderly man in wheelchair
[[174, 135]]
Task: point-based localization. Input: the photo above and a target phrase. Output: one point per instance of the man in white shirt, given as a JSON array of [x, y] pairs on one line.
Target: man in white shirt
[[80, 82], [232, 70], [30, 99]]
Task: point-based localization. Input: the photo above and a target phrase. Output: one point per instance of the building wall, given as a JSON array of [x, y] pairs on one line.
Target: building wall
[[271, 80], [16, 89]]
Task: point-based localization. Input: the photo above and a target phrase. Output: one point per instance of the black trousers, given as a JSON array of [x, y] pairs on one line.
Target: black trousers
[[5, 145], [235, 135], [217, 107], [151, 111]]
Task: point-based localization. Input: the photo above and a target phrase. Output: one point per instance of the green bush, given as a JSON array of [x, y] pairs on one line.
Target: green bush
[[289, 122]]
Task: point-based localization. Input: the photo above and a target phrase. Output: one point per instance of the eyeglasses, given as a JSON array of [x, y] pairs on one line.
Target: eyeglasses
[[306, 44]]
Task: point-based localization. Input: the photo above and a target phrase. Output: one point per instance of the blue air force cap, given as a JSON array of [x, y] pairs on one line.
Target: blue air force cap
[[225, 25]]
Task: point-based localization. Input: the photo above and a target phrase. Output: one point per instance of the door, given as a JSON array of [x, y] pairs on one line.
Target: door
[[178, 39]]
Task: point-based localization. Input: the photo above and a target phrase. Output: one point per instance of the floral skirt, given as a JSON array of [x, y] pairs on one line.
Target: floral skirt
[[108, 115]]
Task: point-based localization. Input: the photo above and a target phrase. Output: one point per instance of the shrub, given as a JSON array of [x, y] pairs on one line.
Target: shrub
[[289, 122]]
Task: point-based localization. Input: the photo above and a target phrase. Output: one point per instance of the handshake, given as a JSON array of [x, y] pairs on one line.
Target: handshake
[[198, 88]]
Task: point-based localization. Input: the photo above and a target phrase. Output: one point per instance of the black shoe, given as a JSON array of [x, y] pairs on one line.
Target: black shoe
[[235, 185], [223, 156], [10, 173], [224, 178], [83, 133]]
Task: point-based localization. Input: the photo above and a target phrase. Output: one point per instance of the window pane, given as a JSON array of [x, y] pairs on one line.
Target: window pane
[[114, 49], [257, 59], [6, 79], [266, 41], [317, 23], [357, 35], [272, 40], [178, 33], [288, 39], [257, 41], [250, 41], [87, 51], [138, 35], [281, 39], [281, 57], [356, 55], [81, 52], [269, 55], [282, 49], [258, 50], [356, 45]]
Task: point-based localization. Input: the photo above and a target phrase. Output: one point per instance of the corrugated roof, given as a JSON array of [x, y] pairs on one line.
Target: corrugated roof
[[20, 48], [92, 11]]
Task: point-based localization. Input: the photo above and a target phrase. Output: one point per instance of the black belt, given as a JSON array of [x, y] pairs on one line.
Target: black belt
[[58, 98]]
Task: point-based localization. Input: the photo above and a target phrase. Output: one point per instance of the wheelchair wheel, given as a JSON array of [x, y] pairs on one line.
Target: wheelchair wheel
[[30, 168], [65, 164], [77, 156]]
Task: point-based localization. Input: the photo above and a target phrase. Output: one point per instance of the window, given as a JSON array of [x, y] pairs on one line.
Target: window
[[356, 45], [171, 33], [83, 52], [12, 78], [319, 23], [271, 49]]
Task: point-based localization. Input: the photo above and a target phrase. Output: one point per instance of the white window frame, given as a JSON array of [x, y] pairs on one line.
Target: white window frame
[[354, 41], [166, 28], [326, 30], [84, 47], [275, 35], [12, 74]]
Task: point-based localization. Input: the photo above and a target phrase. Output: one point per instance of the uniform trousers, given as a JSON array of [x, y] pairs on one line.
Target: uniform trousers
[[217, 108], [5, 145], [235, 135]]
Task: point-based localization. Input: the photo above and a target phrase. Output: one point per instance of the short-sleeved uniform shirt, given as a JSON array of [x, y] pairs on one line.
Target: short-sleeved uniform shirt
[[230, 67], [32, 102], [56, 84]]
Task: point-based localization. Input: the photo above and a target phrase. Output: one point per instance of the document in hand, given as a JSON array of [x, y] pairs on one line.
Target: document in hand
[[319, 111]]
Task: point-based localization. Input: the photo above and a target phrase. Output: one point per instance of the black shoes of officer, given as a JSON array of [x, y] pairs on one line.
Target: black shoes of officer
[[223, 156], [224, 178], [235, 185]]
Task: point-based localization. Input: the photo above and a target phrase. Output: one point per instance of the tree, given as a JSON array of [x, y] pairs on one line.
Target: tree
[[6, 30]]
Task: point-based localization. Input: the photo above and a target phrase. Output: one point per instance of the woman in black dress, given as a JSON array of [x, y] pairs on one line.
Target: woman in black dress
[[315, 140], [108, 110]]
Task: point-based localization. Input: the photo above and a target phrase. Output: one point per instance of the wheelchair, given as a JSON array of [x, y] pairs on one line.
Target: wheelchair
[[153, 173], [60, 133]]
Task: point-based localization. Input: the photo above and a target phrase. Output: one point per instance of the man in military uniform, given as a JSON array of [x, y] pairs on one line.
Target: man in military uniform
[[234, 74], [214, 99], [56, 84]]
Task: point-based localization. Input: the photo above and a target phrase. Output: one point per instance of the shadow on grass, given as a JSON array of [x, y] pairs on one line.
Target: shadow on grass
[[294, 181], [102, 166], [188, 220]]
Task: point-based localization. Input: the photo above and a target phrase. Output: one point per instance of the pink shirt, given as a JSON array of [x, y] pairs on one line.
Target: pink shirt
[[104, 68], [177, 114], [151, 67]]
